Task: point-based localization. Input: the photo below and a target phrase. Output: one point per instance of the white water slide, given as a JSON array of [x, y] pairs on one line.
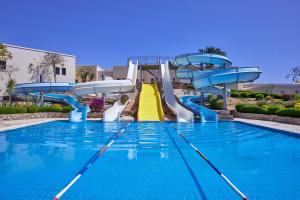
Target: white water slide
[[111, 86], [182, 114]]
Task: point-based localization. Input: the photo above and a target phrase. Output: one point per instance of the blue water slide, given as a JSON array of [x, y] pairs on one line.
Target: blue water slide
[[26, 88], [208, 73], [36, 89], [202, 79], [205, 114], [80, 111]]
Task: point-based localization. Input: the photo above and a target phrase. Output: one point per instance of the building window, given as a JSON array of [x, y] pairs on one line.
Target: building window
[[296, 91], [63, 71], [57, 70], [282, 92], [2, 64]]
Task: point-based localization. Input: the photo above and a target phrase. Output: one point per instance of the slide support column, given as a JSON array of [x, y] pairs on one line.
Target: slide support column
[[202, 98], [225, 95]]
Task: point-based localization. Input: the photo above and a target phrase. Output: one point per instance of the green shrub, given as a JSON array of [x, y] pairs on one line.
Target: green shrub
[[252, 95], [268, 98], [49, 109], [250, 108], [32, 109], [209, 97], [289, 104], [259, 96], [67, 109], [244, 94], [289, 112], [261, 103], [12, 109], [273, 109], [215, 103], [297, 97], [238, 107], [235, 94]]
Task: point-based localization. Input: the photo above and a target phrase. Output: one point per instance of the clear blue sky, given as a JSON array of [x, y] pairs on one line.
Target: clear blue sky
[[263, 33]]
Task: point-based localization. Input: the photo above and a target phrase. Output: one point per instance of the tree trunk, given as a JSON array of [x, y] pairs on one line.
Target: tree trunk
[[54, 70], [9, 99]]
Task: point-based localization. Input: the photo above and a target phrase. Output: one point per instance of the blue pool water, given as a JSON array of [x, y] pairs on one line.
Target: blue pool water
[[148, 161]]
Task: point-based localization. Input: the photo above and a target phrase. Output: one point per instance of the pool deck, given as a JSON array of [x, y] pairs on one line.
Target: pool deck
[[269, 124], [14, 124]]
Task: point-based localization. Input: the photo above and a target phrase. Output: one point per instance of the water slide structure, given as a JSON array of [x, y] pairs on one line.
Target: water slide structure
[[211, 73], [205, 114], [182, 114], [150, 106], [50, 90]]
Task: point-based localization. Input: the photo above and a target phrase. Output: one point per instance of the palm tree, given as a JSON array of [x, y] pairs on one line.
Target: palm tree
[[212, 50], [295, 74], [86, 74]]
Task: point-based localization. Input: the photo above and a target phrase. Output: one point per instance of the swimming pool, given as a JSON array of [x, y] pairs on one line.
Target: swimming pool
[[148, 161]]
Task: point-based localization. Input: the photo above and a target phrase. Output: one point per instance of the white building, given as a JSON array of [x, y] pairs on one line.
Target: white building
[[22, 57]]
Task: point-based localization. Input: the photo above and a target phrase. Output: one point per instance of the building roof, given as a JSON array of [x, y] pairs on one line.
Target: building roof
[[31, 49], [97, 66]]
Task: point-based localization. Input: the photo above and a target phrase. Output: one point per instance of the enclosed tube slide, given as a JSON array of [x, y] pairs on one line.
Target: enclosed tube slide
[[182, 114]]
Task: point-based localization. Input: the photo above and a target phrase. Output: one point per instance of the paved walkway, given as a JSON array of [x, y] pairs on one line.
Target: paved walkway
[[270, 124], [13, 124], [8, 125]]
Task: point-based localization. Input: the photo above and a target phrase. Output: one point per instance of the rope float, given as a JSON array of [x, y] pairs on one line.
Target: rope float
[[88, 164], [242, 195]]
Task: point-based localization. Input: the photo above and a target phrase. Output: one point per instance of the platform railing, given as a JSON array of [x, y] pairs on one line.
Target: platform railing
[[150, 60]]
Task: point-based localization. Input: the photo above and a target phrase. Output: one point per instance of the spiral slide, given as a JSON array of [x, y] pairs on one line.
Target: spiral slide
[[81, 89], [209, 80]]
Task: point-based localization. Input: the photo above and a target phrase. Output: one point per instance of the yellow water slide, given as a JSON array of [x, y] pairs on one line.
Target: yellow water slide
[[150, 107]]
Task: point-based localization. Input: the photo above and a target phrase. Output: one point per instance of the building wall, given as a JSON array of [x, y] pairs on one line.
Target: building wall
[[275, 88], [22, 57]]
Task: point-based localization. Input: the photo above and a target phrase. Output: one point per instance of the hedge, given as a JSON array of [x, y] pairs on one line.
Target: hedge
[[32, 109], [67, 109], [49, 109], [289, 112], [259, 96], [249, 108], [273, 109], [12, 109], [239, 107]]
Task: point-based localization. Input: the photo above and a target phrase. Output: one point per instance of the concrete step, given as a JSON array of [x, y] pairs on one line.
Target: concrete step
[[225, 117]]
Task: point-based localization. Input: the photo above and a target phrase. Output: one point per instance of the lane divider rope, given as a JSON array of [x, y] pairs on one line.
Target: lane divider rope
[[242, 195], [89, 163]]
